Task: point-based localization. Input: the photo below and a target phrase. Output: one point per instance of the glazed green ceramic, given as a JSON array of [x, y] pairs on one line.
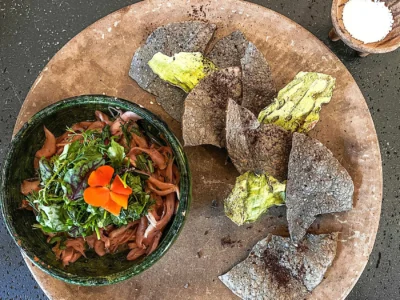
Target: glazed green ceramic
[[93, 270]]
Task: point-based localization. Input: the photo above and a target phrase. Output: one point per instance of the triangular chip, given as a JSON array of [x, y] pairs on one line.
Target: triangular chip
[[229, 50], [171, 99], [278, 270], [204, 117], [298, 104], [183, 69], [190, 36], [262, 148], [317, 184], [252, 195], [258, 87]]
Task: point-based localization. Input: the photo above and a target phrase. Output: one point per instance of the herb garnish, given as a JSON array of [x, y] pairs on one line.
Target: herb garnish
[[59, 205]]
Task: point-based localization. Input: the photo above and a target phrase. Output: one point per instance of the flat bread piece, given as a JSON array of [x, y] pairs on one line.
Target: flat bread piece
[[204, 116], [317, 184], [229, 50], [278, 270], [190, 36], [171, 99], [258, 87], [262, 148]]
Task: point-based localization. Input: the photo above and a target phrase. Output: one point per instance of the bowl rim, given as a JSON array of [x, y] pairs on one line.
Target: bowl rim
[[176, 225], [346, 37]]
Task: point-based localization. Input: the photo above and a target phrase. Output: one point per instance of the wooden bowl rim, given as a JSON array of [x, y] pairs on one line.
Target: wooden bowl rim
[[352, 42]]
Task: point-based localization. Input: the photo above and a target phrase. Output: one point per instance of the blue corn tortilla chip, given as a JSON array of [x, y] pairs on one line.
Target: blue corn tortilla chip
[[235, 50], [317, 184], [204, 116], [278, 270], [229, 50], [258, 87], [190, 36], [262, 148]]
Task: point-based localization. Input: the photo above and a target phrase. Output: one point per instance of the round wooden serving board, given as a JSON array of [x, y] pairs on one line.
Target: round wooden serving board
[[97, 61]]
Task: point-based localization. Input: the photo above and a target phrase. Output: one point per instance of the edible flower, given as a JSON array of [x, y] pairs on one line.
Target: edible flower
[[102, 193]]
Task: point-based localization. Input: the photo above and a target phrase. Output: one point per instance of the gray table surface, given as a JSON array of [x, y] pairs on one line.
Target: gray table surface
[[31, 32]]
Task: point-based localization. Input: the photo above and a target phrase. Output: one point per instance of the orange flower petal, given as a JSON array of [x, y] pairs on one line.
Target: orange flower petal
[[121, 200], [101, 176], [96, 196], [118, 187], [112, 207]]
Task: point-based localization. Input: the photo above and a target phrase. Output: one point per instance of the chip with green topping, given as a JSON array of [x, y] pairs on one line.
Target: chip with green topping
[[252, 195], [298, 104], [184, 69]]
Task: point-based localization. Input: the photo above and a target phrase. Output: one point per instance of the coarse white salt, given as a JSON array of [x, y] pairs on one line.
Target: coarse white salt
[[367, 20]]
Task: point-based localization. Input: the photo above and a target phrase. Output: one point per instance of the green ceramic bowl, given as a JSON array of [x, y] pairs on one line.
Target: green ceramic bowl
[[93, 270]]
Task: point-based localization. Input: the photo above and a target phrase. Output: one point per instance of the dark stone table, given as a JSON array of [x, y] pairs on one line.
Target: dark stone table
[[32, 32]]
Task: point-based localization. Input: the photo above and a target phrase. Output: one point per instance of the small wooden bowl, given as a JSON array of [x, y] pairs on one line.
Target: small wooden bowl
[[390, 43]]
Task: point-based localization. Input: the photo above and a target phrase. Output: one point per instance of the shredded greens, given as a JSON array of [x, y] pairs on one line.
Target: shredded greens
[[127, 129], [59, 205]]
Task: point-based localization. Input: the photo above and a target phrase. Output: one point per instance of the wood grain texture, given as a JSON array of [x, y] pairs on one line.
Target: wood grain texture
[[97, 61], [390, 43]]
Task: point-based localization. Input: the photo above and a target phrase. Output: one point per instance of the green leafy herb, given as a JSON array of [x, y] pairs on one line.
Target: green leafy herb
[[45, 169], [52, 218], [135, 130], [59, 205], [56, 239], [144, 163], [106, 133], [126, 133], [75, 179], [116, 153], [138, 203]]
